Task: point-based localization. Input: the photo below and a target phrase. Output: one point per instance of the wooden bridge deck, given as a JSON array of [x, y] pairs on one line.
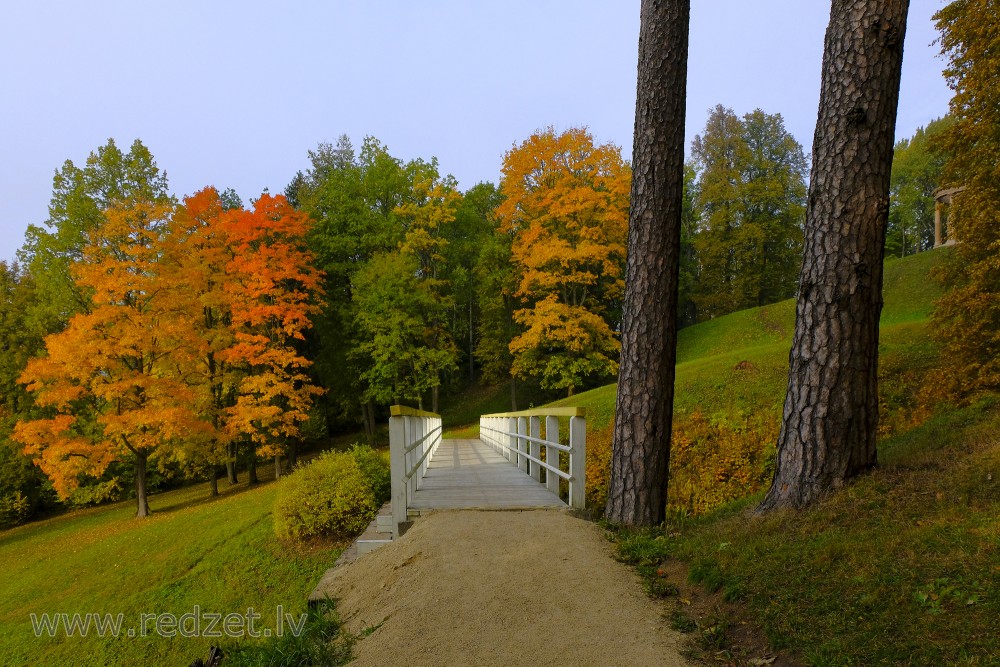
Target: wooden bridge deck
[[467, 474]]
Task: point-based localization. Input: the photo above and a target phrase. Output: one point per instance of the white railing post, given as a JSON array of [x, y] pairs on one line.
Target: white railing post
[[397, 471], [551, 453], [512, 440], [417, 436], [577, 461], [414, 437], [535, 431], [522, 444]]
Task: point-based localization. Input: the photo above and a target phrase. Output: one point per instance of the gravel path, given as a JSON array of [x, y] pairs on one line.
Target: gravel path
[[501, 588]]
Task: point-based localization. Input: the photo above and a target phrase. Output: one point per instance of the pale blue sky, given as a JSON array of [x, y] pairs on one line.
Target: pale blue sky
[[233, 93]]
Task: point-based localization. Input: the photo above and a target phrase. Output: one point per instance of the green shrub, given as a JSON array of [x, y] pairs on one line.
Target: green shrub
[[336, 495], [14, 510], [375, 467]]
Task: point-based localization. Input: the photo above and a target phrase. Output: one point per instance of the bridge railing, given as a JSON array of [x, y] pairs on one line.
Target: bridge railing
[[518, 437], [414, 435]]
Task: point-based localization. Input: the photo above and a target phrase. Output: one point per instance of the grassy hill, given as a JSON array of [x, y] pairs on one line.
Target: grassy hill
[[901, 567], [219, 554]]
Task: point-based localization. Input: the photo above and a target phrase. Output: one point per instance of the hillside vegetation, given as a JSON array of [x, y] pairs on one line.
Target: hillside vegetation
[[901, 567], [730, 385]]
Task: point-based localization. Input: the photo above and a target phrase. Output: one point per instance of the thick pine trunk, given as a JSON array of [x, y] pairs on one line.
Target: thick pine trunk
[[831, 408], [641, 448], [141, 502]]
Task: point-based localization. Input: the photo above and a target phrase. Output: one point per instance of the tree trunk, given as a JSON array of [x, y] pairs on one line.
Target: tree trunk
[[141, 503], [513, 395], [277, 467], [831, 408], [231, 472], [569, 391], [637, 494], [213, 481], [434, 399], [472, 359], [252, 466]]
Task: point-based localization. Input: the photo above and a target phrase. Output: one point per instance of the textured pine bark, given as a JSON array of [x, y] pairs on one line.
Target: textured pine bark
[[831, 408], [641, 447]]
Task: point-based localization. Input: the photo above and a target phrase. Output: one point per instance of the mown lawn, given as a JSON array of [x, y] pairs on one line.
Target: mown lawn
[[218, 554]]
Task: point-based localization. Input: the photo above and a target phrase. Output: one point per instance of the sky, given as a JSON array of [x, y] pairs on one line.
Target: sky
[[235, 93]]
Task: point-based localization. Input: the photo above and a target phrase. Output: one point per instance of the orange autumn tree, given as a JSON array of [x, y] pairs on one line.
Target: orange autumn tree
[[566, 202], [195, 256], [272, 290], [111, 361]]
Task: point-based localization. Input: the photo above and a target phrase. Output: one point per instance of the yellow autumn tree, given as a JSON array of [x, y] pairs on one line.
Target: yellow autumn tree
[[566, 203], [111, 361]]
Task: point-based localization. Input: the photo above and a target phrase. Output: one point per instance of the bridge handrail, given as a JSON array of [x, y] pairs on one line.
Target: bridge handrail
[[554, 469], [414, 436], [517, 437]]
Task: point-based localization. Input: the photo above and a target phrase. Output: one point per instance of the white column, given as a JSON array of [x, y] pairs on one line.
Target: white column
[[577, 461], [551, 453], [510, 426], [522, 429], [397, 441], [535, 431]]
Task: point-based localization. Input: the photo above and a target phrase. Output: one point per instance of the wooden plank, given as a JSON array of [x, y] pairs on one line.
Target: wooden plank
[[467, 474]]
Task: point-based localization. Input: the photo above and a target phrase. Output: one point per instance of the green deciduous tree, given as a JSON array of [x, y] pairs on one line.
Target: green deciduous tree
[[751, 195], [401, 318], [80, 197], [917, 165]]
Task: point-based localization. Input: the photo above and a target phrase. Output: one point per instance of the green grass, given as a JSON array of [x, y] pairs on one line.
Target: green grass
[[901, 567], [218, 554], [738, 363]]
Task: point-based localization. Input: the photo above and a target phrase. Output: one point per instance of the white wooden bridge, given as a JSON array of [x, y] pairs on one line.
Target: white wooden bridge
[[513, 465]]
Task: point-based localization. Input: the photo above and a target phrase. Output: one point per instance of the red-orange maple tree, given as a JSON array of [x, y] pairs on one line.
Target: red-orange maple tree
[[272, 290]]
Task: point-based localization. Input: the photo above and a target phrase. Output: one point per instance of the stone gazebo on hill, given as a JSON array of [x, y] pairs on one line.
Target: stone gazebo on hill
[[942, 198]]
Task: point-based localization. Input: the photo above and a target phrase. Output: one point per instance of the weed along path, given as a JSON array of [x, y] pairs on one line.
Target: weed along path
[[535, 587]]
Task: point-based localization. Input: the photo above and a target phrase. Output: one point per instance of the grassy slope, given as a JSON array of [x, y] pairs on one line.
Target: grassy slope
[[219, 554], [708, 353], [903, 566]]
